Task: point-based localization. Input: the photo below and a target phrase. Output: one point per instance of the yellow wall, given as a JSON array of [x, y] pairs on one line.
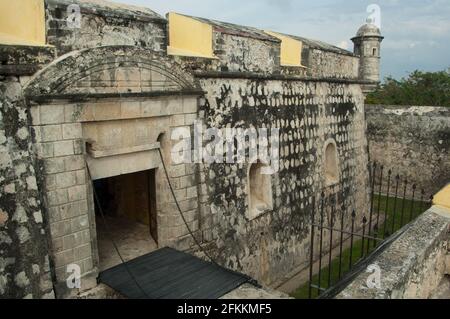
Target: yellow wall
[[291, 50], [189, 37], [22, 22], [443, 197]]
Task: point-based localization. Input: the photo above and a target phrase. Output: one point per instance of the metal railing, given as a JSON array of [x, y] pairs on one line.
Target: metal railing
[[342, 238]]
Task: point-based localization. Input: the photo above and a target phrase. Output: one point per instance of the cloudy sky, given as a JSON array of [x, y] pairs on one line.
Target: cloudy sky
[[417, 31]]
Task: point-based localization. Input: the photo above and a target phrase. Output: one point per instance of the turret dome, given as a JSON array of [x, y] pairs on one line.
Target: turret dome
[[367, 30]]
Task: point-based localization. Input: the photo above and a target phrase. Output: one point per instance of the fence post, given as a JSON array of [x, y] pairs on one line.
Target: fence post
[[311, 261]]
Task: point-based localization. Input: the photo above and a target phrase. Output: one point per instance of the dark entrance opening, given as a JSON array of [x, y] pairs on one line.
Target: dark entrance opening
[[129, 219]]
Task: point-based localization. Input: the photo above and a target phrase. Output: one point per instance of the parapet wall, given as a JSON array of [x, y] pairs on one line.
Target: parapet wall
[[413, 141], [414, 265], [102, 24]]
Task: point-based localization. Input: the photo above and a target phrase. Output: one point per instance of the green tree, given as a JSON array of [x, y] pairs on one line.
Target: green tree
[[419, 88]]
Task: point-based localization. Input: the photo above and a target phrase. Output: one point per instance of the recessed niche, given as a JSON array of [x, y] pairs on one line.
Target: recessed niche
[[331, 167], [260, 190]]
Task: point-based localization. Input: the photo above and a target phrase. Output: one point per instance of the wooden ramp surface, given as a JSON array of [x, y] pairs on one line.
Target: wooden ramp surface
[[170, 274]]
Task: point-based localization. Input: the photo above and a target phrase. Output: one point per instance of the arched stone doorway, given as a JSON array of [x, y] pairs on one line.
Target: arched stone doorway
[[108, 107]]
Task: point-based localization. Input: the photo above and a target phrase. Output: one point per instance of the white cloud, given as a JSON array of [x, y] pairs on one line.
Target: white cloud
[[344, 45]]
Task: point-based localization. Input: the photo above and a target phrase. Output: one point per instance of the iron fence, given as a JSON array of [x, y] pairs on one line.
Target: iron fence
[[342, 238]]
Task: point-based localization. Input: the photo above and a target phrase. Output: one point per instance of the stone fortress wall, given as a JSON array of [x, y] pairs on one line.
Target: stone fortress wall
[[114, 75], [413, 141]]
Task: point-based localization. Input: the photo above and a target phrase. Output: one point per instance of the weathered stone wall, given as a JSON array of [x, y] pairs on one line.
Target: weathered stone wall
[[413, 266], [308, 114], [104, 24], [24, 253], [244, 54], [332, 65], [412, 141], [133, 89]]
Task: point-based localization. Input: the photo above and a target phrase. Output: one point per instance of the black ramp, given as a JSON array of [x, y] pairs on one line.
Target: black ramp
[[170, 274]]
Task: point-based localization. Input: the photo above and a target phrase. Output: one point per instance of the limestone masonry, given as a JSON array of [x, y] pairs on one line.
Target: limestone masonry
[[110, 93]]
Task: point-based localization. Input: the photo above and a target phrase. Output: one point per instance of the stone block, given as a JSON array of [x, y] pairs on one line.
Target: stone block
[[130, 109], [67, 179], [57, 244], [36, 131], [57, 197], [68, 242], [77, 193], [190, 105], [79, 147], [107, 111], [185, 182], [51, 133], [177, 170], [74, 163], [82, 238], [51, 114], [50, 182], [177, 120], [190, 169], [192, 192], [174, 106], [72, 131], [79, 223], [61, 272], [35, 115], [180, 194], [208, 235], [128, 77], [188, 205], [45, 150], [447, 264], [63, 148], [53, 214], [72, 113], [72, 210], [189, 119], [87, 265], [183, 243], [81, 177], [87, 112], [62, 259], [83, 252], [153, 108], [60, 229]]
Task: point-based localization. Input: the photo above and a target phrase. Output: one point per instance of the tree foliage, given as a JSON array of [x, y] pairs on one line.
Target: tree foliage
[[419, 88]]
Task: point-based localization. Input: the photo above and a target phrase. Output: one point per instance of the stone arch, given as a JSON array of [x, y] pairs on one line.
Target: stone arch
[[111, 70]]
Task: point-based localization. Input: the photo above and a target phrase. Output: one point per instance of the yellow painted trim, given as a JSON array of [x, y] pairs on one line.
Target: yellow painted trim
[[291, 50], [22, 22], [443, 197], [183, 52], [189, 37]]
